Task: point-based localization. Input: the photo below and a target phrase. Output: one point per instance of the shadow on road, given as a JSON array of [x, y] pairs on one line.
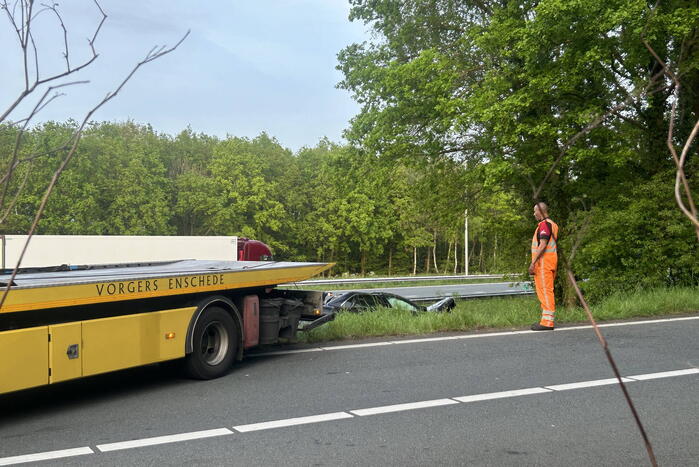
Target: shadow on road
[[99, 388], [109, 387]]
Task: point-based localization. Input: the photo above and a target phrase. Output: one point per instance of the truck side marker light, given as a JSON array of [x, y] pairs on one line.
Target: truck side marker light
[[169, 335]]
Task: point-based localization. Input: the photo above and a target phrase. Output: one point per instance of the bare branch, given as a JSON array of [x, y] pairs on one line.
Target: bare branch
[[594, 124], [680, 178], [16, 197], [65, 32], [34, 156], [18, 143], [71, 152], [691, 213], [41, 103], [25, 38], [577, 241], [612, 363], [26, 32]]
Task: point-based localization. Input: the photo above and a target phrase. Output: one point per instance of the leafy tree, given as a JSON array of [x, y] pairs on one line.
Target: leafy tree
[[510, 88]]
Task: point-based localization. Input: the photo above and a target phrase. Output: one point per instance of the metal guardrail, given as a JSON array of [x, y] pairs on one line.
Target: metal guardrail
[[397, 279], [475, 295]]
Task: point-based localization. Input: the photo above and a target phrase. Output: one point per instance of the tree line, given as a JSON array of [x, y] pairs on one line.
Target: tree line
[[323, 203]]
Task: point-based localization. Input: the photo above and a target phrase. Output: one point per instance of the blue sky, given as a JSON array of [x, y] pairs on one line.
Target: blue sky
[[247, 66]]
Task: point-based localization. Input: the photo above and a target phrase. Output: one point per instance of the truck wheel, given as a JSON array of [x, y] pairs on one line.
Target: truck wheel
[[214, 344]]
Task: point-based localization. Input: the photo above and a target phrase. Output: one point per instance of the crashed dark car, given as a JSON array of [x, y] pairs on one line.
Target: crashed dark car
[[357, 302]]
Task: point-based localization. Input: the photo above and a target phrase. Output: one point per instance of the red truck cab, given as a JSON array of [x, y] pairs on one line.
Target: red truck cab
[[253, 250]]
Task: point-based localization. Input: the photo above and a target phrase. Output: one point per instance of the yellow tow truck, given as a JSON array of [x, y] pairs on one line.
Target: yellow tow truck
[[61, 323]]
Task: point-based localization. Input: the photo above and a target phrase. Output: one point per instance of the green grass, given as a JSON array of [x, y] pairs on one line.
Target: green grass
[[499, 313]]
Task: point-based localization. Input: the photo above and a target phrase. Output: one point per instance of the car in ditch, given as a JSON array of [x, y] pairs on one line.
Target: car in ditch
[[358, 302]]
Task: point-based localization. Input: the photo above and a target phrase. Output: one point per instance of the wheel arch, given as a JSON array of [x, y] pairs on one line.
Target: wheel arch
[[228, 305]]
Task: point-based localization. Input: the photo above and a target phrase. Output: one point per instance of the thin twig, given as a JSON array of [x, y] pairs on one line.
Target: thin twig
[[16, 197], [41, 103], [680, 178], [71, 152], [612, 363], [594, 124], [25, 38]]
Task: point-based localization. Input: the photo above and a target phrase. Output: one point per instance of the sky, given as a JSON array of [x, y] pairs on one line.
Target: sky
[[246, 67]]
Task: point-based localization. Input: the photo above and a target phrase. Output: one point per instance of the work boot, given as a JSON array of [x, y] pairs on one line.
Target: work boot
[[539, 327]]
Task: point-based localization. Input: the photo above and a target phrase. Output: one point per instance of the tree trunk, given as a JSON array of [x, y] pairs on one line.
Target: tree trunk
[[480, 259], [446, 264], [363, 263], [434, 251], [456, 256], [427, 261], [414, 260], [390, 260], [495, 253]]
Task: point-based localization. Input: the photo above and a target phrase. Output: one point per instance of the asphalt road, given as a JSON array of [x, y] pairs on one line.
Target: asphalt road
[[433, 292], [452, 418]]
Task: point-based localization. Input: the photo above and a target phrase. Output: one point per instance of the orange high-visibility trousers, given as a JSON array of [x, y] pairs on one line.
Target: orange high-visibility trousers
[[545, 274]]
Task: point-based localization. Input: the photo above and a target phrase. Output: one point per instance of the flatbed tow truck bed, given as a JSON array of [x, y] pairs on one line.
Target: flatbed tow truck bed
[[66, 322], [99, 284]]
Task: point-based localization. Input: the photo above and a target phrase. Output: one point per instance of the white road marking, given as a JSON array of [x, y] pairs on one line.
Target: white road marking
[[501, 395], [337, 416], [43, 456], [292, 422], [587, 384], [428, 339], [470, 336], [137, 443], [357, 346], [649, 321], [402, 407], [665, 374], [287, 352]]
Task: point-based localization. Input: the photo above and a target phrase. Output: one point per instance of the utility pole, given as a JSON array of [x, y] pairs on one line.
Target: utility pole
[[466, 242]]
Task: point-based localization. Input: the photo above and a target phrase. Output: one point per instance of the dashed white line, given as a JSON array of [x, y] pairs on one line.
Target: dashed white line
[[665, 374], [402, 407], [137, 443], [357, 346], [428, 339], [44, 456], [287, 352], [587, 384], [292, 422], [339, 416], [501, 395]]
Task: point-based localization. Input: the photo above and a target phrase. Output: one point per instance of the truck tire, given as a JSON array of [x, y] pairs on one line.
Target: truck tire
[[214, 344]]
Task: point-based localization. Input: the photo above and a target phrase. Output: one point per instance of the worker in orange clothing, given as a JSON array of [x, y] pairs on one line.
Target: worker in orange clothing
[[544, 264]]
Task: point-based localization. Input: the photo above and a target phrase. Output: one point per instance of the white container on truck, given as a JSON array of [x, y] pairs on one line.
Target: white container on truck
[[54, 250]]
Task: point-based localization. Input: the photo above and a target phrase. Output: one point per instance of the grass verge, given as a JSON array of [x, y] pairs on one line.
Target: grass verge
[[498, 313]]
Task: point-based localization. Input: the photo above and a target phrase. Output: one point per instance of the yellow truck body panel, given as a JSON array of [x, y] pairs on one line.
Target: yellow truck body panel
[[126, 341], [65, 351], [90, 347], [24, 358]]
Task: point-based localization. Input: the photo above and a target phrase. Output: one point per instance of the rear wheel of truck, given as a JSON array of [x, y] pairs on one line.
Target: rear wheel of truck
[[214, 344]]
